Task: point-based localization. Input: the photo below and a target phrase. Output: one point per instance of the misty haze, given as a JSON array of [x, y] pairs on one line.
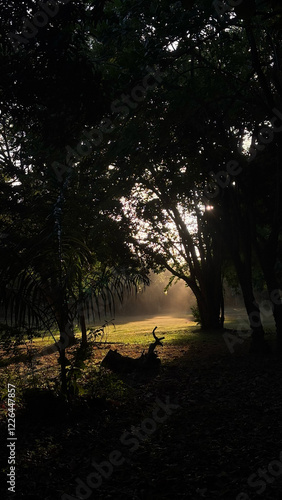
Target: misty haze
[[154, 301]]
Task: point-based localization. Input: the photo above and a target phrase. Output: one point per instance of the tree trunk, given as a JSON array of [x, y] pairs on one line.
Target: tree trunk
[[210, 309], [267, 258], [258, 343], [58, 303], [222, 317], [66, 339], [274, 295], [244, 273], [239, 241], [62, 361], [277, 313], [83, 329]]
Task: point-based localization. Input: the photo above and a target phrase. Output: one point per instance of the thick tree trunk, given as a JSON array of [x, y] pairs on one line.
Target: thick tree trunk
[[244, 273], [211, 309], [240, 247], [258, 343]]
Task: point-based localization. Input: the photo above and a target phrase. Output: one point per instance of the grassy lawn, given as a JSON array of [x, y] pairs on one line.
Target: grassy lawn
[[176, 329], [136, 332]]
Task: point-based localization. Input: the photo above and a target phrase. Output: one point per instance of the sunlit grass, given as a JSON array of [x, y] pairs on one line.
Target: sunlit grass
[[178, 329], [138, 330]]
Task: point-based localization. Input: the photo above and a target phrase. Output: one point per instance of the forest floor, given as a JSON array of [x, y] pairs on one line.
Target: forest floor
[[207, 426]]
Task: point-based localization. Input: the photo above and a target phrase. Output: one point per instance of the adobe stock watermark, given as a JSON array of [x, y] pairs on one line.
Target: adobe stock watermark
[[40, 19], [94, 137], [262, 477], [266, 311], [116, 458], [222, 179], [11, 475]]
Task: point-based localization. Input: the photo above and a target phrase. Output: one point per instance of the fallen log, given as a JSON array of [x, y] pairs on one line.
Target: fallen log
[[125, 364]]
